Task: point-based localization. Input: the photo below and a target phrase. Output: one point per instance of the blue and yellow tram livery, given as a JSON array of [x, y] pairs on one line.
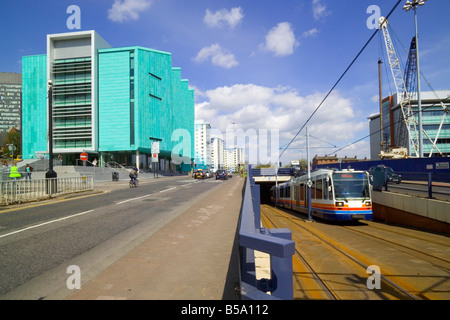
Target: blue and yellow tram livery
[[335, 195]]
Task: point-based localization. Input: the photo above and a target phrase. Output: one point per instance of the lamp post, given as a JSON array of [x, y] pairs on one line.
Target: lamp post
[[309, 183], [50, 175], [408, 6]]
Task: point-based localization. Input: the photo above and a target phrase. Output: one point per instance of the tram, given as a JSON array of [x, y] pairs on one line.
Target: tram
[[343, 195]]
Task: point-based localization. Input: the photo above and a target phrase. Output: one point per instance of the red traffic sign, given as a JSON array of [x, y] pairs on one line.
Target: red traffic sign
[[84, 156]]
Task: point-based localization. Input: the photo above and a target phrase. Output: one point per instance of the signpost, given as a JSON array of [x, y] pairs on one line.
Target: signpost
[[155, 155], [84, 156]]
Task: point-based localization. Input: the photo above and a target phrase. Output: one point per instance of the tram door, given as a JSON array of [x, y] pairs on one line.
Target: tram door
[[304, 194]]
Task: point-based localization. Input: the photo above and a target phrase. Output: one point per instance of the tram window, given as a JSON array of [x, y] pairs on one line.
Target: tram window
[[330, 190], [319, 189], [313, 190], [288, 192], [302, 192]]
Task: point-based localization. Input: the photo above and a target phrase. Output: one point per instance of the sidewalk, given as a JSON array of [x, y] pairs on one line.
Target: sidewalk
[[193, 257]]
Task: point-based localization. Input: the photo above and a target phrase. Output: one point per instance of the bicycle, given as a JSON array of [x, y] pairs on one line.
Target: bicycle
[[134, 184]]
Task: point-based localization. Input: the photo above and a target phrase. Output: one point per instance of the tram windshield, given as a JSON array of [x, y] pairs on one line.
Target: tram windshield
[[351, 185]]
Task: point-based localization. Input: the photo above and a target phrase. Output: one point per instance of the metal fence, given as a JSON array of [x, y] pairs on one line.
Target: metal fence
[[22, 190], [410, 182], [275, 242]]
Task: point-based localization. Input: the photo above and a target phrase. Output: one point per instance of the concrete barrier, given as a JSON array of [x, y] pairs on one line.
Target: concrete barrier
[[428, 214], [275, 242]]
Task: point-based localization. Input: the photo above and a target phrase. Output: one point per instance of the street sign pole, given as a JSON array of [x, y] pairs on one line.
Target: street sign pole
[[155, 155]]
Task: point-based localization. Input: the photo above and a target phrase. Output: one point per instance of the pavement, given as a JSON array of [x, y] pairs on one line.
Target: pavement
[[193, 257]]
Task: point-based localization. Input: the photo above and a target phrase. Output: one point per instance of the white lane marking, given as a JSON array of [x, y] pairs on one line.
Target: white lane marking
[[168, 189], [185, 185], [133, 199], [43, 224]]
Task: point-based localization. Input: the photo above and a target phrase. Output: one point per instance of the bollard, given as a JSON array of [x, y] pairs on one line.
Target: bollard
[[51, 185]]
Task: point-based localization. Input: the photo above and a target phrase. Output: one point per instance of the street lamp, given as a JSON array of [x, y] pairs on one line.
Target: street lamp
[[408, 6], [50, 175]]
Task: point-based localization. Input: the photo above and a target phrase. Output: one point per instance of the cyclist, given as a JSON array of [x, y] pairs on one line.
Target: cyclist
[[133, 175]]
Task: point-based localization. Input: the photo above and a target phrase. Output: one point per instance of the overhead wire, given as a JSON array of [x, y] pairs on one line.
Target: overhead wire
[[339, 80], [414, 113]]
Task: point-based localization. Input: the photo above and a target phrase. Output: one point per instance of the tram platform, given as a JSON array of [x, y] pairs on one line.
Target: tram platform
[[193, 257]]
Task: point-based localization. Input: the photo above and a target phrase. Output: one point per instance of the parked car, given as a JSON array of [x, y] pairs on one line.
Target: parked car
[[199, 174], [391, 175], [221, 174]]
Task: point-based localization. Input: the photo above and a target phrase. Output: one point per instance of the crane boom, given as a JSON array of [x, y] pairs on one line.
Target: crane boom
[[402, 92]]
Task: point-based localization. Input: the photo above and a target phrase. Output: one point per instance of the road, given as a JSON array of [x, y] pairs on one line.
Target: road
[[38, 242]]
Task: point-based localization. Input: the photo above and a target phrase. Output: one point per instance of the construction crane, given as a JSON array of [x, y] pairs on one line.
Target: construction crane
[[404, 84], [410, 82], [400, 86]]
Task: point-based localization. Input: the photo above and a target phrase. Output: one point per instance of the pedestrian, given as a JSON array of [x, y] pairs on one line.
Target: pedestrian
[[14, 172], [28, 170], [94, 163]]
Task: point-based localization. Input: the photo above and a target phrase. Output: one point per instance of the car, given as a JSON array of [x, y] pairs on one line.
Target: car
[[199, 174], [208, 173], [391, 175], [221, 174]]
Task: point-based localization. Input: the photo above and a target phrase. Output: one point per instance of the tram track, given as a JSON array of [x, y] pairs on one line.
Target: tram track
[[303, 267], [421, 254], [393, 287]]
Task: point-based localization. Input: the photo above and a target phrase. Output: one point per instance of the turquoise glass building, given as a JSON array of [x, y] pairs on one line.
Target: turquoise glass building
[[111, 103]]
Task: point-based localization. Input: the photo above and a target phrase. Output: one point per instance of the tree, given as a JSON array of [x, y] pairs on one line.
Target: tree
[[303, 164], [13, 137]]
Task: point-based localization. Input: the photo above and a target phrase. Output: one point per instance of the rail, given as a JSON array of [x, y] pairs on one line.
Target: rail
[[275, 242], [19, 191]]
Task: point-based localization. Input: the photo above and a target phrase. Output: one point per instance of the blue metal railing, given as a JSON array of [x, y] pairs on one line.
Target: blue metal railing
[[275, 242]]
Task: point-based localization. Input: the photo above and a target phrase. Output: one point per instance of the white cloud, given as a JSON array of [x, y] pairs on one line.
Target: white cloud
[[123, 10], [319, 9], [230, 17], [253, 107], [280, 40], [219, 56], [310, 33]]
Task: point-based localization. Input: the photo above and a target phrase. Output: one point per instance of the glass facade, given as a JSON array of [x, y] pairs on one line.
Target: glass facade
[[110, 103], [435, 123], [72, 103], [141, 96], [34, 106], [10, 96]]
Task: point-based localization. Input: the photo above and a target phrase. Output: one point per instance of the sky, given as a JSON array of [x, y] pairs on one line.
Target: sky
[[258, 67]]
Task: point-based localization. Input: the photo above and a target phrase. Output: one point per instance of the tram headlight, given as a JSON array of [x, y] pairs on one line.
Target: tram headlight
[[339, 204], [368, 204]]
